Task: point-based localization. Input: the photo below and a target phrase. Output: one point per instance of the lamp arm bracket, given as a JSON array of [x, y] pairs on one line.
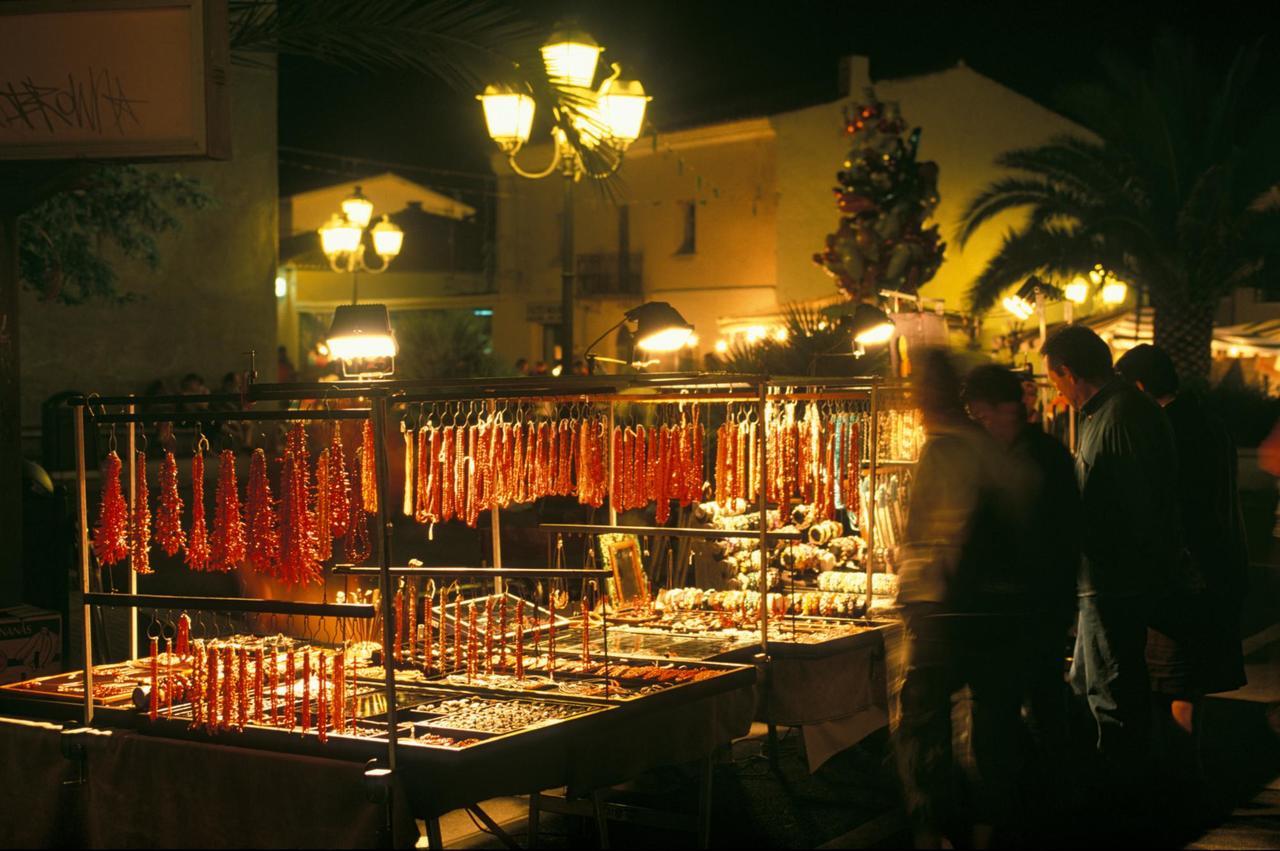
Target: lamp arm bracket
[[515, 166], [374, 270], [605, 175], [611, 329]]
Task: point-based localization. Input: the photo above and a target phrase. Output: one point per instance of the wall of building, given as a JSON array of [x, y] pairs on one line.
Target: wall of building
[[764, 204], [726, 171], [210, 300]]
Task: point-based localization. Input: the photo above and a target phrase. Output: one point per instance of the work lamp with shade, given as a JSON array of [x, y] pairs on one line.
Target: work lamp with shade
[[360, 337], [659, 328]]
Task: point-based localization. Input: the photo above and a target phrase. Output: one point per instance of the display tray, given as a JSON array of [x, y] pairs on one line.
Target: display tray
[[792, 636], [440, 720], [484, 718], [659, 643], [630, 680], [113, 685], [815, 644]]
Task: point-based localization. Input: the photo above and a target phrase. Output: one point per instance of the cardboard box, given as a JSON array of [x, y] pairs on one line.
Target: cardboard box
[[30, 643]]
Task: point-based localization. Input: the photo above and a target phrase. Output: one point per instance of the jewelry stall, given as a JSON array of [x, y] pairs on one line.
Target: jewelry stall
[[735, 563]]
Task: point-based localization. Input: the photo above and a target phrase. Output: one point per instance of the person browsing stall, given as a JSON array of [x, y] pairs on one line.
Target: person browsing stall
[[1049, 549], [1193, 646], [1126, 466]]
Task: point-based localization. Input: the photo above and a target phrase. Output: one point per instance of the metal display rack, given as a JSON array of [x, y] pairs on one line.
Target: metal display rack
[[381, 396]]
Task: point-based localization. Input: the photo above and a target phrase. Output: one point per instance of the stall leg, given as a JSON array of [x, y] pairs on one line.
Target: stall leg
[[535, 805], [601, 816], [494, 828], [434, 841], [704, 803], [773, 746]]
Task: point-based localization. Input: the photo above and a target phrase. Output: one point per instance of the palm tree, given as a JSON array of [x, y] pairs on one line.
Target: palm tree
[[1177, 194], [813, 343]]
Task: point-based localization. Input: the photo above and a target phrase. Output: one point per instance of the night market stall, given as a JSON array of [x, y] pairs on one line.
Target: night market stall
[[734, 564]]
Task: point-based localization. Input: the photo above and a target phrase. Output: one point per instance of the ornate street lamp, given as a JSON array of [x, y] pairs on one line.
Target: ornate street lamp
[[606, 121], [342, 237], [360, 335]]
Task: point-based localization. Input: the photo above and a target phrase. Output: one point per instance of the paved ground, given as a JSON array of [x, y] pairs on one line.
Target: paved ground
[[852, 801]]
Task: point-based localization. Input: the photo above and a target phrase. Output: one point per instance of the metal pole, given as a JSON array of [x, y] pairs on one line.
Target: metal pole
[[384, 576], [763, 506], [871, 491], [83, 507], [566, 276], [1040, 314], [133, 496], [495, 522], [613, 511]]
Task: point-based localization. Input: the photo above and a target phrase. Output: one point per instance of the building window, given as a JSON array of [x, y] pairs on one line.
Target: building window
[[690, 243]]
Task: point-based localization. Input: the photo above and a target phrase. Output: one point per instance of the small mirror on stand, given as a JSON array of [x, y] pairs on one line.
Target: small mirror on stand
[[628, 586]]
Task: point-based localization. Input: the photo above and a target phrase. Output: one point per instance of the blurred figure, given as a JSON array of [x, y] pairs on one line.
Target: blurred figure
[[1049, 547], [1193, 647], [164, 430], [955, 563], [540, 368], [579, 368], [193, 385], [239, 432], [1127, 469], [522, 366], [286, 373]]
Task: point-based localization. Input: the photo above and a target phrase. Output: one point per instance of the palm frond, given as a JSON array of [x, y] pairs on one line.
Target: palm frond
[[1011, 194], [1051, 251], [467, 43]]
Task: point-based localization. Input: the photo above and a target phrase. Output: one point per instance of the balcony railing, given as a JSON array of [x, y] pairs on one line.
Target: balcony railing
[[610, 274]]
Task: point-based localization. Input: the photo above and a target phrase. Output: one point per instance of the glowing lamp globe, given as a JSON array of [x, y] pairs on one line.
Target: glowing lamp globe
[[387, 239], [358, 209], [1077, 291], [622, 106], [570, 56], [508, 115], [339, 236], [1114, 291]]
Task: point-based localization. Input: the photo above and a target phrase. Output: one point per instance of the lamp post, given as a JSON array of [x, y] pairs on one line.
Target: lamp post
[[360, 336], [342, 239], [606, 120]]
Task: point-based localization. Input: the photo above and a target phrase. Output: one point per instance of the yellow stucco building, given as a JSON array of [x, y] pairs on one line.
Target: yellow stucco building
[[723, 220]]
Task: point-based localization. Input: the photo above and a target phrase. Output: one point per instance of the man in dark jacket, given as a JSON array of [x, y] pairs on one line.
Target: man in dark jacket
[[1193, 646], [1049, 551], [1130, 538]]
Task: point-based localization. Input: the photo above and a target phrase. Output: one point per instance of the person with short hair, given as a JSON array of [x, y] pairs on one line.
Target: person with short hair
[[1126, 465], [1049, 550], [954, 568], [1193, 645]]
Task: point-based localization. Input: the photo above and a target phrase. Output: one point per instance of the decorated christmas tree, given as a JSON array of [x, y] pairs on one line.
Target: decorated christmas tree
[[885, 197]]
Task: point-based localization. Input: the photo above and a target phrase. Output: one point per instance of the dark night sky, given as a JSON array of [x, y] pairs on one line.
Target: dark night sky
[[705, 60]]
